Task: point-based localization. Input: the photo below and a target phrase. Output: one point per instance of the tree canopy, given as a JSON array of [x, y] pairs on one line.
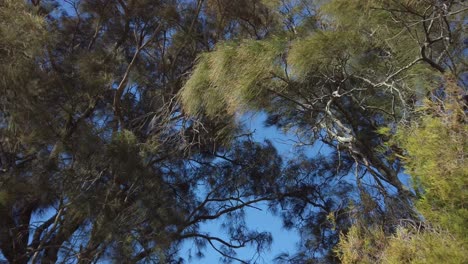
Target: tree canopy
[[121, 132]]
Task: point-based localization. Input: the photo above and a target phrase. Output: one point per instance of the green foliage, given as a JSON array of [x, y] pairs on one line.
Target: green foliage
[[436, 145], [125, 185], [436, 148], [17, 20], [408, 245], [100, 125], [381, 32], [348, 69], [362, 245], [22, 37], [429, 246], [322, 50], [229, 78]]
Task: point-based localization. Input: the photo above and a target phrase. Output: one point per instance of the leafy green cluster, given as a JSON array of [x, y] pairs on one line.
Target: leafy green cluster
[[436, 145], [18, 20], [360, 66], [91, 132], [408, 245], [100, 126], [231, 76], [323, 49], [18, 78], [436, 148]]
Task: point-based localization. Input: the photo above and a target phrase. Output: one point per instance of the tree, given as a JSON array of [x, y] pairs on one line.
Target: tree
[[357, 67], [119, 132], [436, 147], [97, 159]]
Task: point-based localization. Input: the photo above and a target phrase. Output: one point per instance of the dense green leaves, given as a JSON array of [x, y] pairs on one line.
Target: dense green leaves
[[97, 160], [435, 145], [362, 66], [235, 74], [121, 134], [436, 148]]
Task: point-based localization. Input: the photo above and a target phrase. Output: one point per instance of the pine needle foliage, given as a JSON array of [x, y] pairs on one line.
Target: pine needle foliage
[[230, 77], [436, 146], [408, 245], [383, 37], [429, 246], [17, 20], [351, 68], [323, 50], [92, 134], [101, 128]]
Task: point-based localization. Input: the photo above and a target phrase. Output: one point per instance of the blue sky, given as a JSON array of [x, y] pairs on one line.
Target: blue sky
[[284, 241]]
